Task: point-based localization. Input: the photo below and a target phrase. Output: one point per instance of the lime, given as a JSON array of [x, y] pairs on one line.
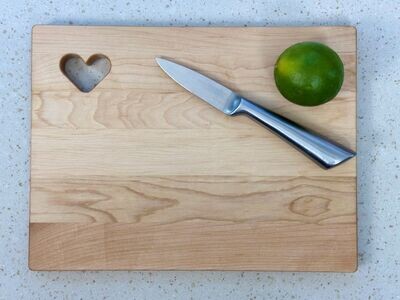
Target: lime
[[309, 73]]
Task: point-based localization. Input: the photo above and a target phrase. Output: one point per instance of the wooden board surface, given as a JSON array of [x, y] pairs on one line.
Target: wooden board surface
[[139, 174]]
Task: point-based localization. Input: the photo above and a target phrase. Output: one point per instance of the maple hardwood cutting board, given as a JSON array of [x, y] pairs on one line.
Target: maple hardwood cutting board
[[140, 174]]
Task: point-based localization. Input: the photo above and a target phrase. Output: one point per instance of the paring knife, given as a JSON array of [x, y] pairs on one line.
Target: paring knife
[[324, 152]]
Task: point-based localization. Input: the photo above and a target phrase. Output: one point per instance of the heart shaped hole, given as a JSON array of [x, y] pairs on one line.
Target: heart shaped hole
[[85, 75]]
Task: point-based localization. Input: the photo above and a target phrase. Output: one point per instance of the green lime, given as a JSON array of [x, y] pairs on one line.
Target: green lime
[[309, 73]]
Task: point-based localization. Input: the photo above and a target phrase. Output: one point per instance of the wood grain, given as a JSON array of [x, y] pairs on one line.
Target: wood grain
[[157, 200], [139, 174], [193, 245]]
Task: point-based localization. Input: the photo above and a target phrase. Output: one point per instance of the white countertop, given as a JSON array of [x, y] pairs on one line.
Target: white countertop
[[378, 25]]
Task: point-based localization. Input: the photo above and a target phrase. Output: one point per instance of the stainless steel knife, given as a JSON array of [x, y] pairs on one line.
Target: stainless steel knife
[[324, 152]]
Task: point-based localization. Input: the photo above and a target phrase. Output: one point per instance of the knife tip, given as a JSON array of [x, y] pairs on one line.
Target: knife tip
[[159, 60]]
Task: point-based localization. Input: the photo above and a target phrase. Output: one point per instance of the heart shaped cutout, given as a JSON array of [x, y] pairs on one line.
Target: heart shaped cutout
[[85, 75]]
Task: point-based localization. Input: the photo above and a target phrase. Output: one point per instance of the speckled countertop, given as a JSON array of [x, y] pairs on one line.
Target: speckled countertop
[[378, 24]]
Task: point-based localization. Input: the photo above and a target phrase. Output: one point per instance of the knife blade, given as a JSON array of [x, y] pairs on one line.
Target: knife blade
[[203, 87], [321, 150]]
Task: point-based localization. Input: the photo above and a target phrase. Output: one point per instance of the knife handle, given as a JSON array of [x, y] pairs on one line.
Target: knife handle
[[321, 150]]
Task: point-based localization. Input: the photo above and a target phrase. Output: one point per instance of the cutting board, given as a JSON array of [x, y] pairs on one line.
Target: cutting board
[[139, 174]]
